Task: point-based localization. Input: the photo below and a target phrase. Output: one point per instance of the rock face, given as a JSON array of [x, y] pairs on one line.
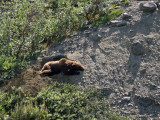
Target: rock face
[[137, 48], [148, 7]]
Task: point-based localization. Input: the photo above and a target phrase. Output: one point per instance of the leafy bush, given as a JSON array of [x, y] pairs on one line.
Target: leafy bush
[[22, 26], [28, 27], [111, 15], [9, 100], [59, 101], [29, 111]]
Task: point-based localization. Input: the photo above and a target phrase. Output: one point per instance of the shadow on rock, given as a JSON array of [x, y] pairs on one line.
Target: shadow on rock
[[147, 105], [134, 65]]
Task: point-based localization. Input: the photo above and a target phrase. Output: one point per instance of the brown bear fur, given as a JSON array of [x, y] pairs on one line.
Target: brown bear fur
[[64, 65]]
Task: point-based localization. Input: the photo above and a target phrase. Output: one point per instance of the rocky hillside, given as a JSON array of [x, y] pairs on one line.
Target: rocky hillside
[[121, 57]]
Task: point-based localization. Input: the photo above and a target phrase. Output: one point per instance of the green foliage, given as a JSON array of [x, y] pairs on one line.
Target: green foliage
[[125, 2], [111, 15], [8, 67], [59, 101], [68, 101], [9, 100], [29, 111], [22, 26], [17, 106], [3, 97]]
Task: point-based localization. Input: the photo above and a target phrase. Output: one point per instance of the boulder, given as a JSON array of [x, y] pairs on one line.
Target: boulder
[[118, 23], [158, 4], [126, 99], [137, 48], [141, 6], [148, 7], [126, 16], [143, 101]]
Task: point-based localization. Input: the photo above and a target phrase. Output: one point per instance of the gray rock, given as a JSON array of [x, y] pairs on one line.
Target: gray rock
[[106, 92], [87, 32], [114, 22], [118, 23], [158, 98], [122, 23], [126, 99], [143, 101], [137, 48], [95, 36], [158, 4], [148, 7], [126, 16], [155, 96], [141, 6], [142, 72]]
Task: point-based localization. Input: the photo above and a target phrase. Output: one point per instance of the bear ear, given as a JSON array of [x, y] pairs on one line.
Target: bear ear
[[63, 60]]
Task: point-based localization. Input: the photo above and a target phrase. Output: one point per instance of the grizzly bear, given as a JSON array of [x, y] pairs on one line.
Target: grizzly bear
[[64, 65]]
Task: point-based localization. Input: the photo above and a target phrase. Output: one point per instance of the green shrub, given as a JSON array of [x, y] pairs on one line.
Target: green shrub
[[22, 27], [9, 100], [29, 111], [65, 101], [125, 2], [59, 101], [106, 18], [3, 97]]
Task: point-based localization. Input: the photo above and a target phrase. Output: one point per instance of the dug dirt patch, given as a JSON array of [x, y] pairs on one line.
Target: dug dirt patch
[[29, 80], [32, 82]]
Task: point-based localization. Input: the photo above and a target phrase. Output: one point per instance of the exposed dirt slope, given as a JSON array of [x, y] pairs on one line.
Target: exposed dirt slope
[[131, 81]]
